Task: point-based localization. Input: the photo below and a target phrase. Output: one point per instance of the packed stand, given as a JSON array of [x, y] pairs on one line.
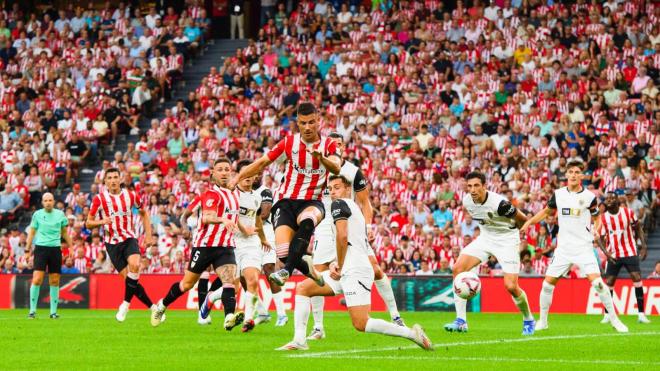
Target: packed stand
[[423, 95], [71, 81]]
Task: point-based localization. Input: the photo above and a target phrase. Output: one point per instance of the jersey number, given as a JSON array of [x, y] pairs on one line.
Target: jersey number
[[194, 259]]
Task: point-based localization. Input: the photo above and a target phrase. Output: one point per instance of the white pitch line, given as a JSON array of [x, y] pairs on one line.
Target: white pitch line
[[344, 353]]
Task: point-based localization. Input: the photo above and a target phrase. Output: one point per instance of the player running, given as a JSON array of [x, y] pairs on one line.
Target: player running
[[213, 245], [49, 226], [325, 251], [113, 210], [499, 237], [620, 231], [352, 275], [309, 158], [577, 207]]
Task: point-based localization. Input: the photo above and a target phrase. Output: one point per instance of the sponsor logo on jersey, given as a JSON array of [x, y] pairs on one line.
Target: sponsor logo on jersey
[[248, 212], [566, 211], [306, 171]]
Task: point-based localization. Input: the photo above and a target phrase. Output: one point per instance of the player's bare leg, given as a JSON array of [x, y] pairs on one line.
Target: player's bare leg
[[227, 295], [606, 298], [384, 287], [520, 300], [250, 278], [176, 290], [296, 244], [278, 299], [131, 274], [463, 264], [317, 304], [363, 323]]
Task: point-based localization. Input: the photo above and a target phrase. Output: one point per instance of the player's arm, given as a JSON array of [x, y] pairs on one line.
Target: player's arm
[[251, 170], [506, 209], [146, 222], [340, 214], [266, 204], [30, 236], [259, 223], [332, 162], [363, 200], [548, 210], [639, 232], [65, 235], [183, 220], [92, 221]]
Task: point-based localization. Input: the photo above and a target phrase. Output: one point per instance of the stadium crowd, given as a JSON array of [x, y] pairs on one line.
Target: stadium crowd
[[422, 94]]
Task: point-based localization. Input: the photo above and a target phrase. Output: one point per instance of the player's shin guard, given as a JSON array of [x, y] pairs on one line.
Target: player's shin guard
[[228, 298], [379, 326], [384, 288], [131, 286], [141, 294], [605, 296], [278, 298], [34, 297], [202, 290], [298, 247], [461, 307], [317, 311], [300, 318], [174, 293], [250, 305], [639, 293], [523, 305], [545, 300], [54, 298]]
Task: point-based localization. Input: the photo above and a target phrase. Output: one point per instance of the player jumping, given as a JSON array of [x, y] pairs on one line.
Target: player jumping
[[576, 208], [499, 237], [113, 209], [353, 275], [299, 209], [213, 245], [620, 230], [325, 251]]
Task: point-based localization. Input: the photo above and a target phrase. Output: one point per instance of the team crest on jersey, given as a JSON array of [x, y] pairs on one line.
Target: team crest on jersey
[[209, 203]]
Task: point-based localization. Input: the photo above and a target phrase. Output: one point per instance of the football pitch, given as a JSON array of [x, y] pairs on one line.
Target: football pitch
[[84, 339]]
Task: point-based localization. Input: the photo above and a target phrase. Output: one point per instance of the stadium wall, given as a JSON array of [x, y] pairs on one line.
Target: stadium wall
[[428, 293]]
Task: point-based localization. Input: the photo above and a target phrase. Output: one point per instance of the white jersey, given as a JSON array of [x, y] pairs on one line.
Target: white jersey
[[353, 174], [495, 217], [249, 204], [357, 253], [574, 212]]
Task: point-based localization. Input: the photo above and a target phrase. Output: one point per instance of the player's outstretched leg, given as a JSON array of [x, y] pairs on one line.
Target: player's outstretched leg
[[296, 258], [520, 300], [464, 263], [384, 287], [250, 276], [176, 290], [227, 295], [605, 297]]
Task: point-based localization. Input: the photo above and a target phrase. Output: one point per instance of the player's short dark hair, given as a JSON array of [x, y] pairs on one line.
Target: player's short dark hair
[[577, 164], [336, 135], [340, 177], [306, 108], [476, 175], [222, 160], [241, 164], [111, 170]]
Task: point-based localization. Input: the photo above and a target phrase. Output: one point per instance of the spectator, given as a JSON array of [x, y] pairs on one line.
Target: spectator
[[68, 267], [10, 202], [656, 271]]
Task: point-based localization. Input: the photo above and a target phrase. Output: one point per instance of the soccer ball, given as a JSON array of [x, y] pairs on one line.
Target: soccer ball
[[467, 285]]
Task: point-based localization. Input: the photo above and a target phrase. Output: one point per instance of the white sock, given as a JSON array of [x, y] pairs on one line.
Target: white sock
[[605, 296], [215, 295], [522, 304], [317, 311], [545, 300], [461, 307], [278, 298], [379, 326], [260, 307], [384, 288], [250, 301], [300, 317]]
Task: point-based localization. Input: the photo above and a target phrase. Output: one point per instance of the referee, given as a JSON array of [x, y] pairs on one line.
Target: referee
[[49, 226]]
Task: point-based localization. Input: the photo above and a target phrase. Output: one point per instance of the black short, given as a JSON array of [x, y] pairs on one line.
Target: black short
[[286, 211], [120, 252], [203, 257], [631, 263], [47, 256]]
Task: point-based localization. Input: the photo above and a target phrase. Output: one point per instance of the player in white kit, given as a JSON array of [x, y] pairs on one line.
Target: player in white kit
[[576, 208], [352, 275], [324, 247], [269, 259], [499, 237]]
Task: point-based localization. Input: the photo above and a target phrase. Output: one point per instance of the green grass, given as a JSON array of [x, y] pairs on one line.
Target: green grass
[[83, 339]]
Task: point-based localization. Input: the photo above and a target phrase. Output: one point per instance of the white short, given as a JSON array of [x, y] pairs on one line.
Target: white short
[[325, 248], [248, 257], [506, 252], [561, 263], [356, 288]]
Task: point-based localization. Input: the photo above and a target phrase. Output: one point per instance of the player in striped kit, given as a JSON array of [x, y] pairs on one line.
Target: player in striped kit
[[325, 251], [619, 231], [576, 209], [213, 245], [112, 209], [309, 159]]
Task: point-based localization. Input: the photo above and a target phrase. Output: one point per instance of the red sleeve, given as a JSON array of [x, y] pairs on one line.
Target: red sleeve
[[331, 148], [210, 201], [277, 151], [137, 201], [96, 203], [194, 204]]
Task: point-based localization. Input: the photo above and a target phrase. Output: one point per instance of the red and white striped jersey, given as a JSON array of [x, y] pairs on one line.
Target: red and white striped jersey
[[119, 209], [618, 229], [225, 203], [306, 177]]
